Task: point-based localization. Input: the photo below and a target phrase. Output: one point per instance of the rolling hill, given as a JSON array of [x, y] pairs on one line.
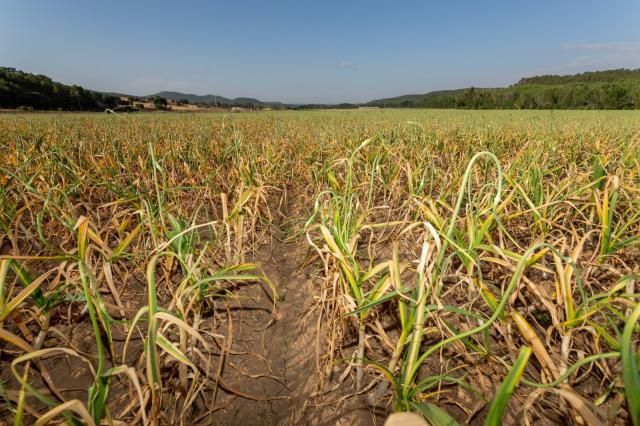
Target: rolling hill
[[612, 89], [213, 99]]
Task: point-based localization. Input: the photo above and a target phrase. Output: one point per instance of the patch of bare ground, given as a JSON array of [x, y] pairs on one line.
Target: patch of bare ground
[[272, 374]]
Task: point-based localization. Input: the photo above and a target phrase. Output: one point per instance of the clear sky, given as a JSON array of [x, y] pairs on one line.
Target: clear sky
[[323, 51]]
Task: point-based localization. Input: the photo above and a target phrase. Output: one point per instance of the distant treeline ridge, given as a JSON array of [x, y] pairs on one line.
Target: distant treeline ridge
[[613, 89]]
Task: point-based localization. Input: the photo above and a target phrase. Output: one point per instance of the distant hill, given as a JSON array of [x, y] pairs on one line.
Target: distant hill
[[612, 89], [213, 99], [19, 89]]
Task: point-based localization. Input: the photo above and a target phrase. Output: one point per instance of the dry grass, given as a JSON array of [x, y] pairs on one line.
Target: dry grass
[[484, 263]]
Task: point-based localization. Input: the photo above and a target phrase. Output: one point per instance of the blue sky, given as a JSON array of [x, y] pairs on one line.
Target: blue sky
[[303, 51]]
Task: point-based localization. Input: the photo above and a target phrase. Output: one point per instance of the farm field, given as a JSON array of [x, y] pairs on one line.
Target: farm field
[[320, 267]]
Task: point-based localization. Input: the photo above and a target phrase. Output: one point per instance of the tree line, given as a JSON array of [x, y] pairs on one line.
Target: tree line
[[615, 89], [19, 89]]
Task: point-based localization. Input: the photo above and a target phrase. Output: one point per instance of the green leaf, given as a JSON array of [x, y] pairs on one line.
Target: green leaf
[[630, 372], [377, 302], [126, 242], [499, 404], [387, 374], [599, 173], [26, 278], [172, 350], [23, 295], [435, 415], [97, 397]]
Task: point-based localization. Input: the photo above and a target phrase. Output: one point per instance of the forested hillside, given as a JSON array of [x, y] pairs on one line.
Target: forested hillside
[[21, 89], [615, 89]]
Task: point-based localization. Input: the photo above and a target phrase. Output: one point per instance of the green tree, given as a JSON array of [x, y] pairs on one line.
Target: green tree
[[159, 102]]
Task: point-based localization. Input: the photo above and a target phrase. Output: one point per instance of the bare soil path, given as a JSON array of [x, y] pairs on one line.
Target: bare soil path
[[270, 376], [272, 360]]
